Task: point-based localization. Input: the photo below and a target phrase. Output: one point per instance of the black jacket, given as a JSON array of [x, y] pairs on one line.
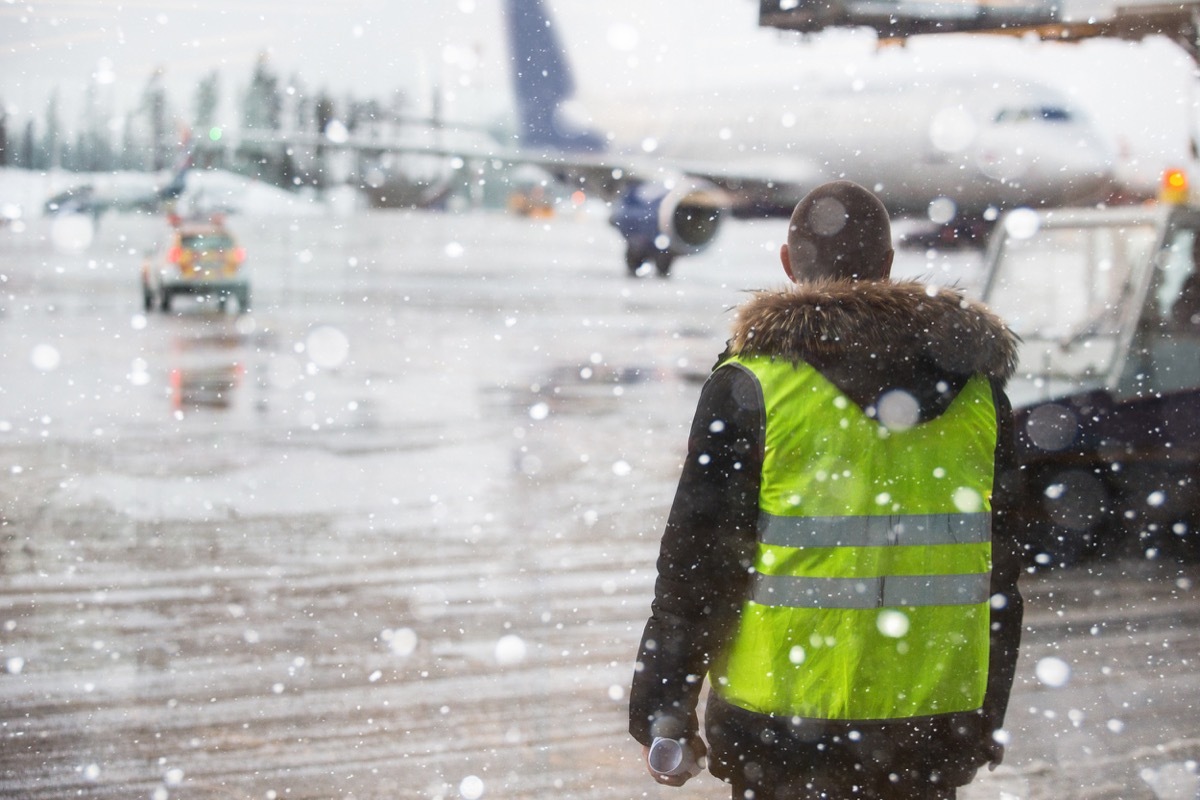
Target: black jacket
[[867, 338]]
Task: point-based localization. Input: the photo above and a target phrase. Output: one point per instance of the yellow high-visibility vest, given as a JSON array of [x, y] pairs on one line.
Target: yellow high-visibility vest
[[869, 598]]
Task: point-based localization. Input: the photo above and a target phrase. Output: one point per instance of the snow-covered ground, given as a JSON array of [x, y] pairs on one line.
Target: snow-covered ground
[[393, 534]]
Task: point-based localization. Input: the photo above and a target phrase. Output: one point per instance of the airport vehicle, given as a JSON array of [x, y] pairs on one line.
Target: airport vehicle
[[201, 259], [1107, 397]]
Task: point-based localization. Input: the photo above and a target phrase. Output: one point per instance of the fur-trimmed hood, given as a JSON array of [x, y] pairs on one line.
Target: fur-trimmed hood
[[894, 321]]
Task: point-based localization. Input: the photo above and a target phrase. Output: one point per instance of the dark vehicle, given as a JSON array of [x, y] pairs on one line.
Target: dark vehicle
[[201, 259], [1107, 398]]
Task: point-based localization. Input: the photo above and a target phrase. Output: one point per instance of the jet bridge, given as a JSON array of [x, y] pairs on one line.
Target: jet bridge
[[1052, 20]]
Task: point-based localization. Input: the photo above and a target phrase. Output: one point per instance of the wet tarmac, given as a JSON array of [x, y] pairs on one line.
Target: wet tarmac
[[392, 534]]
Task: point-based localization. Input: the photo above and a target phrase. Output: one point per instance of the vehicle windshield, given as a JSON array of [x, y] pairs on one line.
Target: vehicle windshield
[[1065, 283], [207, 242], [1068, 292]]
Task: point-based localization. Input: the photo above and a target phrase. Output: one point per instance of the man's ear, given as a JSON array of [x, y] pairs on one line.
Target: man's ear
[[786, 259]]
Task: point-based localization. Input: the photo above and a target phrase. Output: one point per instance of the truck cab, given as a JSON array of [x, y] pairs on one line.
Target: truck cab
[[1107, 392]]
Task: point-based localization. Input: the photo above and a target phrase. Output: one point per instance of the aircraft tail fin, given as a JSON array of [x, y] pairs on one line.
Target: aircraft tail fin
[[173, 188], [542, 81]]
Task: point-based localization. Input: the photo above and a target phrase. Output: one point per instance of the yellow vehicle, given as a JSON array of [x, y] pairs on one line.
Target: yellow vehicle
[[201, 259]]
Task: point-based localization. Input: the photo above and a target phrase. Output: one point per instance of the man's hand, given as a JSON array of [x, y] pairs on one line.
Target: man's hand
[[994, 752], [696, 752]]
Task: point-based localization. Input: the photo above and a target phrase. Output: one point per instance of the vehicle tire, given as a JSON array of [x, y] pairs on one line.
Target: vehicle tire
[[662, 263], [147, 299], [164, 302]]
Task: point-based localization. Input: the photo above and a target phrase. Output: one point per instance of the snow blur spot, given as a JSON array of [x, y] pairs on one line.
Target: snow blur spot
[[327, 346], [616, 692], [138, 322], [1174, 781], [898, 410], [471, 787], [285, 371], [510, 650], [1052, 427], [1053, 672], [14, 665], [662, 241], [797, 655], [454, 250], [621, 468], [952, 130], [649, 145], [336, 131], [941, 210], [139, 372], [1022, 223], [967, 500], [1115, 725], [539, 411], [374, 676], [401, 641], [827, 216], [1156, 499], [892, 623], [45, 357], [91, 772], [173, 777], [160, 793], [72, 233]]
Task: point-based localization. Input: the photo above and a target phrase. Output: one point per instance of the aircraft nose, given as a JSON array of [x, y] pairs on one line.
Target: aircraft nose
[[1087, 171]]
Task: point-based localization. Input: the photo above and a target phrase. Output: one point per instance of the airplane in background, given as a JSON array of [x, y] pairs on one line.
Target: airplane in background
[[950, 145], [126, 192], [955, 148]]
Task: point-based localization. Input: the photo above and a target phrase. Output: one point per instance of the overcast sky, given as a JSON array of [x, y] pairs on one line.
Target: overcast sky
[[374, 47]]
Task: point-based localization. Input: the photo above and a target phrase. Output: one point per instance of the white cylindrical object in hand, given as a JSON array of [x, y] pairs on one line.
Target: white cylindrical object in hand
[[667, 757]]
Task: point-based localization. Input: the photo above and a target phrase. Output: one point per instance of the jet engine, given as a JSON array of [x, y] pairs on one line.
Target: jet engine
[[661, 221]]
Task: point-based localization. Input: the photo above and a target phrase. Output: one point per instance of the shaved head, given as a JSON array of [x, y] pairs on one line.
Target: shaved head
[[839, 231]]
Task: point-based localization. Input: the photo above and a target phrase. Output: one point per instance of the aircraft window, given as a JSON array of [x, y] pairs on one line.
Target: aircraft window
[[1025, 114], [1055, 114]]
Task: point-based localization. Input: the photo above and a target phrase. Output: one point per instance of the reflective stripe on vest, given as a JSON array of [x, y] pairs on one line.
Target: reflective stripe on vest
[[869, 598], [874, 531], [878, 592]]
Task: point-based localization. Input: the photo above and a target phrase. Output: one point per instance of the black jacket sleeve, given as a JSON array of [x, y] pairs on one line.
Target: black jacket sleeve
[[1007, 564], [704, 558]]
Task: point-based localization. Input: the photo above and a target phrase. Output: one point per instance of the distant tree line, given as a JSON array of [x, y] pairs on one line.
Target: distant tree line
[[151, 135]]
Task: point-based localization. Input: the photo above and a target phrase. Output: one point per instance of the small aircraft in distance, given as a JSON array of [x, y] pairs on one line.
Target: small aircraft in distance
[[126, 192]]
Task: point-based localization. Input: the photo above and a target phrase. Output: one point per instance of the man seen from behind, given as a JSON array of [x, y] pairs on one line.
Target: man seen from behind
[[840, 559]]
